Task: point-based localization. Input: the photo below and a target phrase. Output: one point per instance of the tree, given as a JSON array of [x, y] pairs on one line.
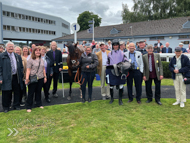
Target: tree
[[87, 16], [144, 10]]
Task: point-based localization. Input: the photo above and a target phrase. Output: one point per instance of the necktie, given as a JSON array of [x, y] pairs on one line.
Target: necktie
[[150, 63], [12, 64], [166, 50], [54, 55]]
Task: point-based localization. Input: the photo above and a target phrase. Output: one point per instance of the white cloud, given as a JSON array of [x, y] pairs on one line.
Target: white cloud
[[108, 10]]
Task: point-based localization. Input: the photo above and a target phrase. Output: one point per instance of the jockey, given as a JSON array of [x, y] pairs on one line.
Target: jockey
[[114, 57]]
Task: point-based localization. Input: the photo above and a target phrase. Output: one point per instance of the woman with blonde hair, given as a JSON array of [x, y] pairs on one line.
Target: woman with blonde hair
[[18, 51], [26, 52]]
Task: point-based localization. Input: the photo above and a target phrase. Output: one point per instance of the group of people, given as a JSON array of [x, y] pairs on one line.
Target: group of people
[[21, 68]]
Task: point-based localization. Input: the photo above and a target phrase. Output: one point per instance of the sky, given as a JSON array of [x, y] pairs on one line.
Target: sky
[[69, 10]]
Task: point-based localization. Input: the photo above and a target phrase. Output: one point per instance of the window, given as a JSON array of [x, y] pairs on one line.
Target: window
[[8, 28], [29, 30], [65, 26], [36, 19], [4, 27], [47, 32], [26, 29], [38, 31], [8, 14], [184, 36], [42, 31], [26, 17], [23, 16], [4, 13], [12, 14], [156, 38], [53, 32], [12, 28], [39, 20], [32, 18], [23, 29], [20, 16], [29, 17]]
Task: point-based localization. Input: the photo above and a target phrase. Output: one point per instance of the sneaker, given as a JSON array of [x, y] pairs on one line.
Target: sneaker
[[22, 104], [103, 97], [182, 104], [176, 103], [55, 95]]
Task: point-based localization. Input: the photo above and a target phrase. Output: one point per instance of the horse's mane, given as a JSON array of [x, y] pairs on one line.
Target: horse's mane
[[72, 49]]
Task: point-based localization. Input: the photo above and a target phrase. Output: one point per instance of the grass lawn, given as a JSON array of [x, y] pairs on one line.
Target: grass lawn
[[99, 122], [164, 82]]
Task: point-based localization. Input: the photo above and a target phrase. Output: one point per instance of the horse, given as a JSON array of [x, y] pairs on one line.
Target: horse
[[73, 64]]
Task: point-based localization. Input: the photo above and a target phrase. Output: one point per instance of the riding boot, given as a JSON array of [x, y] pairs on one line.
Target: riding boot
[[111, 93], [120, 96]]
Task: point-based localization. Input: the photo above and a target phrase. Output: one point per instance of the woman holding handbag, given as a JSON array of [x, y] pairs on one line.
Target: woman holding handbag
[[35, 78]]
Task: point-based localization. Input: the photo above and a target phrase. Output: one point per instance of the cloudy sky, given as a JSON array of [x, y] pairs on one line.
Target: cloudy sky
[[108, 10]]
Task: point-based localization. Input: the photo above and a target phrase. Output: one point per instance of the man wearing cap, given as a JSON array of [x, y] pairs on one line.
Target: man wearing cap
[[114, 57], [167, 49], [101, 70], [135, 58], [156, 49], [153, 70], [142, 47], [180, 68], [122, 46], [182, 49]]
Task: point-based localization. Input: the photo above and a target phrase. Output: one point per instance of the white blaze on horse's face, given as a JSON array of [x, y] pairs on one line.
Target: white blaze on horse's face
[[73, 61]]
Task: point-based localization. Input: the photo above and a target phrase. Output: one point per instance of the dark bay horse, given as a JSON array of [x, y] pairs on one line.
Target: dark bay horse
[[73, 63]]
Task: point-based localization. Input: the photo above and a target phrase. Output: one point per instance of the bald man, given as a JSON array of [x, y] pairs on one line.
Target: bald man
[[56, 57], [167, 49], [136, 73]]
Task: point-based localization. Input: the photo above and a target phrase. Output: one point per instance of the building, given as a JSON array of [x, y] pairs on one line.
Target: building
[[174, 31], [25, 25]]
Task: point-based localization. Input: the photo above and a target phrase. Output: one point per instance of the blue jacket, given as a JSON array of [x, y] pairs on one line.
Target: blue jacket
[[185, 66], [6, 73], [50, 65], [184, 50]]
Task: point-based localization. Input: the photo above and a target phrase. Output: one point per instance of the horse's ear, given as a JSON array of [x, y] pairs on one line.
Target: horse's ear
[[75, 45], [67, 45]]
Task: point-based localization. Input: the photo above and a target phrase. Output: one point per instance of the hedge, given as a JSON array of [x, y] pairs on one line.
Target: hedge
[[167, 72]]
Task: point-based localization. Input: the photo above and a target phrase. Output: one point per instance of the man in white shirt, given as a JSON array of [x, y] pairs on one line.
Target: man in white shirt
[[101, 69]]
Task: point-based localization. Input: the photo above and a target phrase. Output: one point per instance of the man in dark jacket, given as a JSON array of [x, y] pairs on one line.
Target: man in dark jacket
[[180, 68], [55, 56], [11, 77], [167, 49]]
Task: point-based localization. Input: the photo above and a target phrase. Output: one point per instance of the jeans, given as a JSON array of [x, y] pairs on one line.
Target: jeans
[[88, 77]]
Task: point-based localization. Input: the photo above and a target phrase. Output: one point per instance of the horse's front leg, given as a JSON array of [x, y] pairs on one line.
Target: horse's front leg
[[70, 82]]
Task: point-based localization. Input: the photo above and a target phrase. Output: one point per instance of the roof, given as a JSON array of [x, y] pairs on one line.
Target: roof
[[154, 27]]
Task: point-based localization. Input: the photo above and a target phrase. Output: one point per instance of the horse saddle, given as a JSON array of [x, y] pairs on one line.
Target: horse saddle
[[121, 69]]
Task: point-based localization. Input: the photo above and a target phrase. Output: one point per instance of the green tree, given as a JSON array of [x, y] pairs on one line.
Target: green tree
[[144, 10], [86, 16]]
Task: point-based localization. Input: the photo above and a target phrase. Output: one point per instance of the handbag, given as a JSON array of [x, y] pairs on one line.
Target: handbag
[[186, 80], [34, 78]]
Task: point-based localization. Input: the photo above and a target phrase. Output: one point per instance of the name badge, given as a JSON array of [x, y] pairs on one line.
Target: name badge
[[137, 68], [54, 64], [157, 61]]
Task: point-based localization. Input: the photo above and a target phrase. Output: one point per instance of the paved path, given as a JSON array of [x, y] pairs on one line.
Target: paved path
[[166, 92]]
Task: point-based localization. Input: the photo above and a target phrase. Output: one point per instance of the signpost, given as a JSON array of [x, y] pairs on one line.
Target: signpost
[[91, 29], [75, 27]]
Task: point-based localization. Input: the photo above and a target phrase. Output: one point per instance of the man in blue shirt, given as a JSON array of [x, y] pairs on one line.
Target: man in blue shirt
[[182, 49]]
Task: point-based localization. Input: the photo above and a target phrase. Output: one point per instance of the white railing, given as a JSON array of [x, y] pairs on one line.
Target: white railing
[[170, 55]]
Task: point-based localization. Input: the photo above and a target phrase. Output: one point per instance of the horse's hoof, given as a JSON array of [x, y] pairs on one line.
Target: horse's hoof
[[69, 97]]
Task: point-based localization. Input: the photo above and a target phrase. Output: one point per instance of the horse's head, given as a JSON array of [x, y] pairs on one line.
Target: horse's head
[[74, 55]]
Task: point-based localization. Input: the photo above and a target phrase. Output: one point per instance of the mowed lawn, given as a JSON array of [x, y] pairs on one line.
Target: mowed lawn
[[98, 122], [164, 82]]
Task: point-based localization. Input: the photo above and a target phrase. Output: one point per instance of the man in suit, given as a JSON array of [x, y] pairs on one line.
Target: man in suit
[[183, 49], [167, 49], [159, 44], [101, 69], [11, 77], [55, 56], [142, 48], [135, 58], [153, 70]]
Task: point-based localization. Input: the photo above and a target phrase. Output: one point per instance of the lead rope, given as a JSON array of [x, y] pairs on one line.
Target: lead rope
[[77, 76]]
